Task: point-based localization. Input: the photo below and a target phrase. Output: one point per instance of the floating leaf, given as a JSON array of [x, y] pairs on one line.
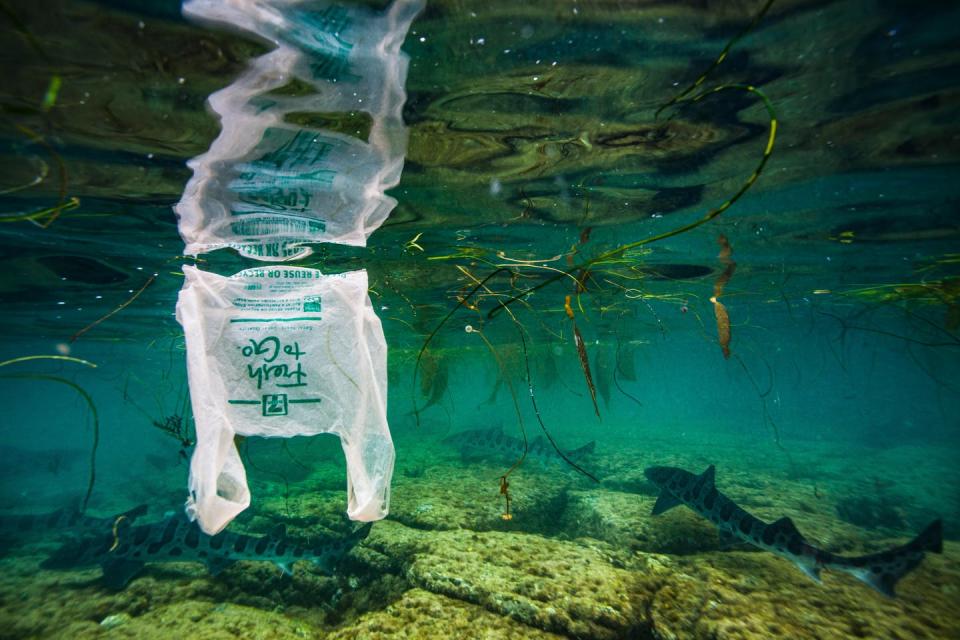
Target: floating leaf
[[723, 326], [723, 318], [585, 365]]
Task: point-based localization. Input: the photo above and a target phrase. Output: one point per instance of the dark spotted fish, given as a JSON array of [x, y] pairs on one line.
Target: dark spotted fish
[[480, 443], [123, 552], [66, 521], [879, 570]]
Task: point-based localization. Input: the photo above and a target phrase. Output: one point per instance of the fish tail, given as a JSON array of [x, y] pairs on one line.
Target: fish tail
[[361, 533], [931, 538], [136, 512], [585, 450], [883, 570]]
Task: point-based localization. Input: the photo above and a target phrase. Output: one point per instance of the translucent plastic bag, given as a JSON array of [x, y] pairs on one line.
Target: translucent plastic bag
[[283, 351], [268, 188]]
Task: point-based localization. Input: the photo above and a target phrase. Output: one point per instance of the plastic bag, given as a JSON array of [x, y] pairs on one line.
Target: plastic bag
[[268, 188], [283, 351]]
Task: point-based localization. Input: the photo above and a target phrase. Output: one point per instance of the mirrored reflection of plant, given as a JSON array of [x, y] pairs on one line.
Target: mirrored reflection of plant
[[620, 266]]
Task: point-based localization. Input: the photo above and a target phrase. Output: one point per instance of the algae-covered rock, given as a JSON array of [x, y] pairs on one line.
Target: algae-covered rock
[[306, 514], [580, 589], [468, 497], [36, 603], [208, 621], [443, 499], [577, 561], [592, 590], [422, 614], [623, 520], [758, 595]]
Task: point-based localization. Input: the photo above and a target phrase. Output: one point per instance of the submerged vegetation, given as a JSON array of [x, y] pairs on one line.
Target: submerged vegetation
[[92, 477], [583, 272], [558, 238]]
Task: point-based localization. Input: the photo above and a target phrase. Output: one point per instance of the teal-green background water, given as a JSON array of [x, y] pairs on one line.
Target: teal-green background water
[[529, 124]]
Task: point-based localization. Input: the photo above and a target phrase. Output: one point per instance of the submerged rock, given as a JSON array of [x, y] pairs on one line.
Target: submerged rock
[[456, 497], [589, 589], [577, 561], [758, 595], [622, 519], [422, 614], [581, 590]]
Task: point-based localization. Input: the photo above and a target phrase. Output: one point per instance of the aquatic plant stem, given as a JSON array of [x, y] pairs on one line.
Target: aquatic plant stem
[[707, 217], [115, 311], [504, 479], [38, 179], [426, 343], [48, 357], [61, 206], [96, 422], [761, 396], [536, 412], [716, 63], [616, 369], [533, 398], [33, 216]]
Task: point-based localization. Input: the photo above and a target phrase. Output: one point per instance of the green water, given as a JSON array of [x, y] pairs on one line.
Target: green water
[[534, 148]]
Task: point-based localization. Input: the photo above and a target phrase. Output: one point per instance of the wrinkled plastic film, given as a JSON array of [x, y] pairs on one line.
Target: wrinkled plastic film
[[268, 188], [279, 352]]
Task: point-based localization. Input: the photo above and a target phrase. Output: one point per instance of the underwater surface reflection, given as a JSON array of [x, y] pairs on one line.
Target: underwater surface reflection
[[632, 320]]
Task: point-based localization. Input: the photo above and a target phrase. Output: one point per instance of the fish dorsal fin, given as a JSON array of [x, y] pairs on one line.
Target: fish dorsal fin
[[583, 451], [361, 533], [709, 475], [885, 569], [665, 502], [930, 539], [136, 512], [786, 527]]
